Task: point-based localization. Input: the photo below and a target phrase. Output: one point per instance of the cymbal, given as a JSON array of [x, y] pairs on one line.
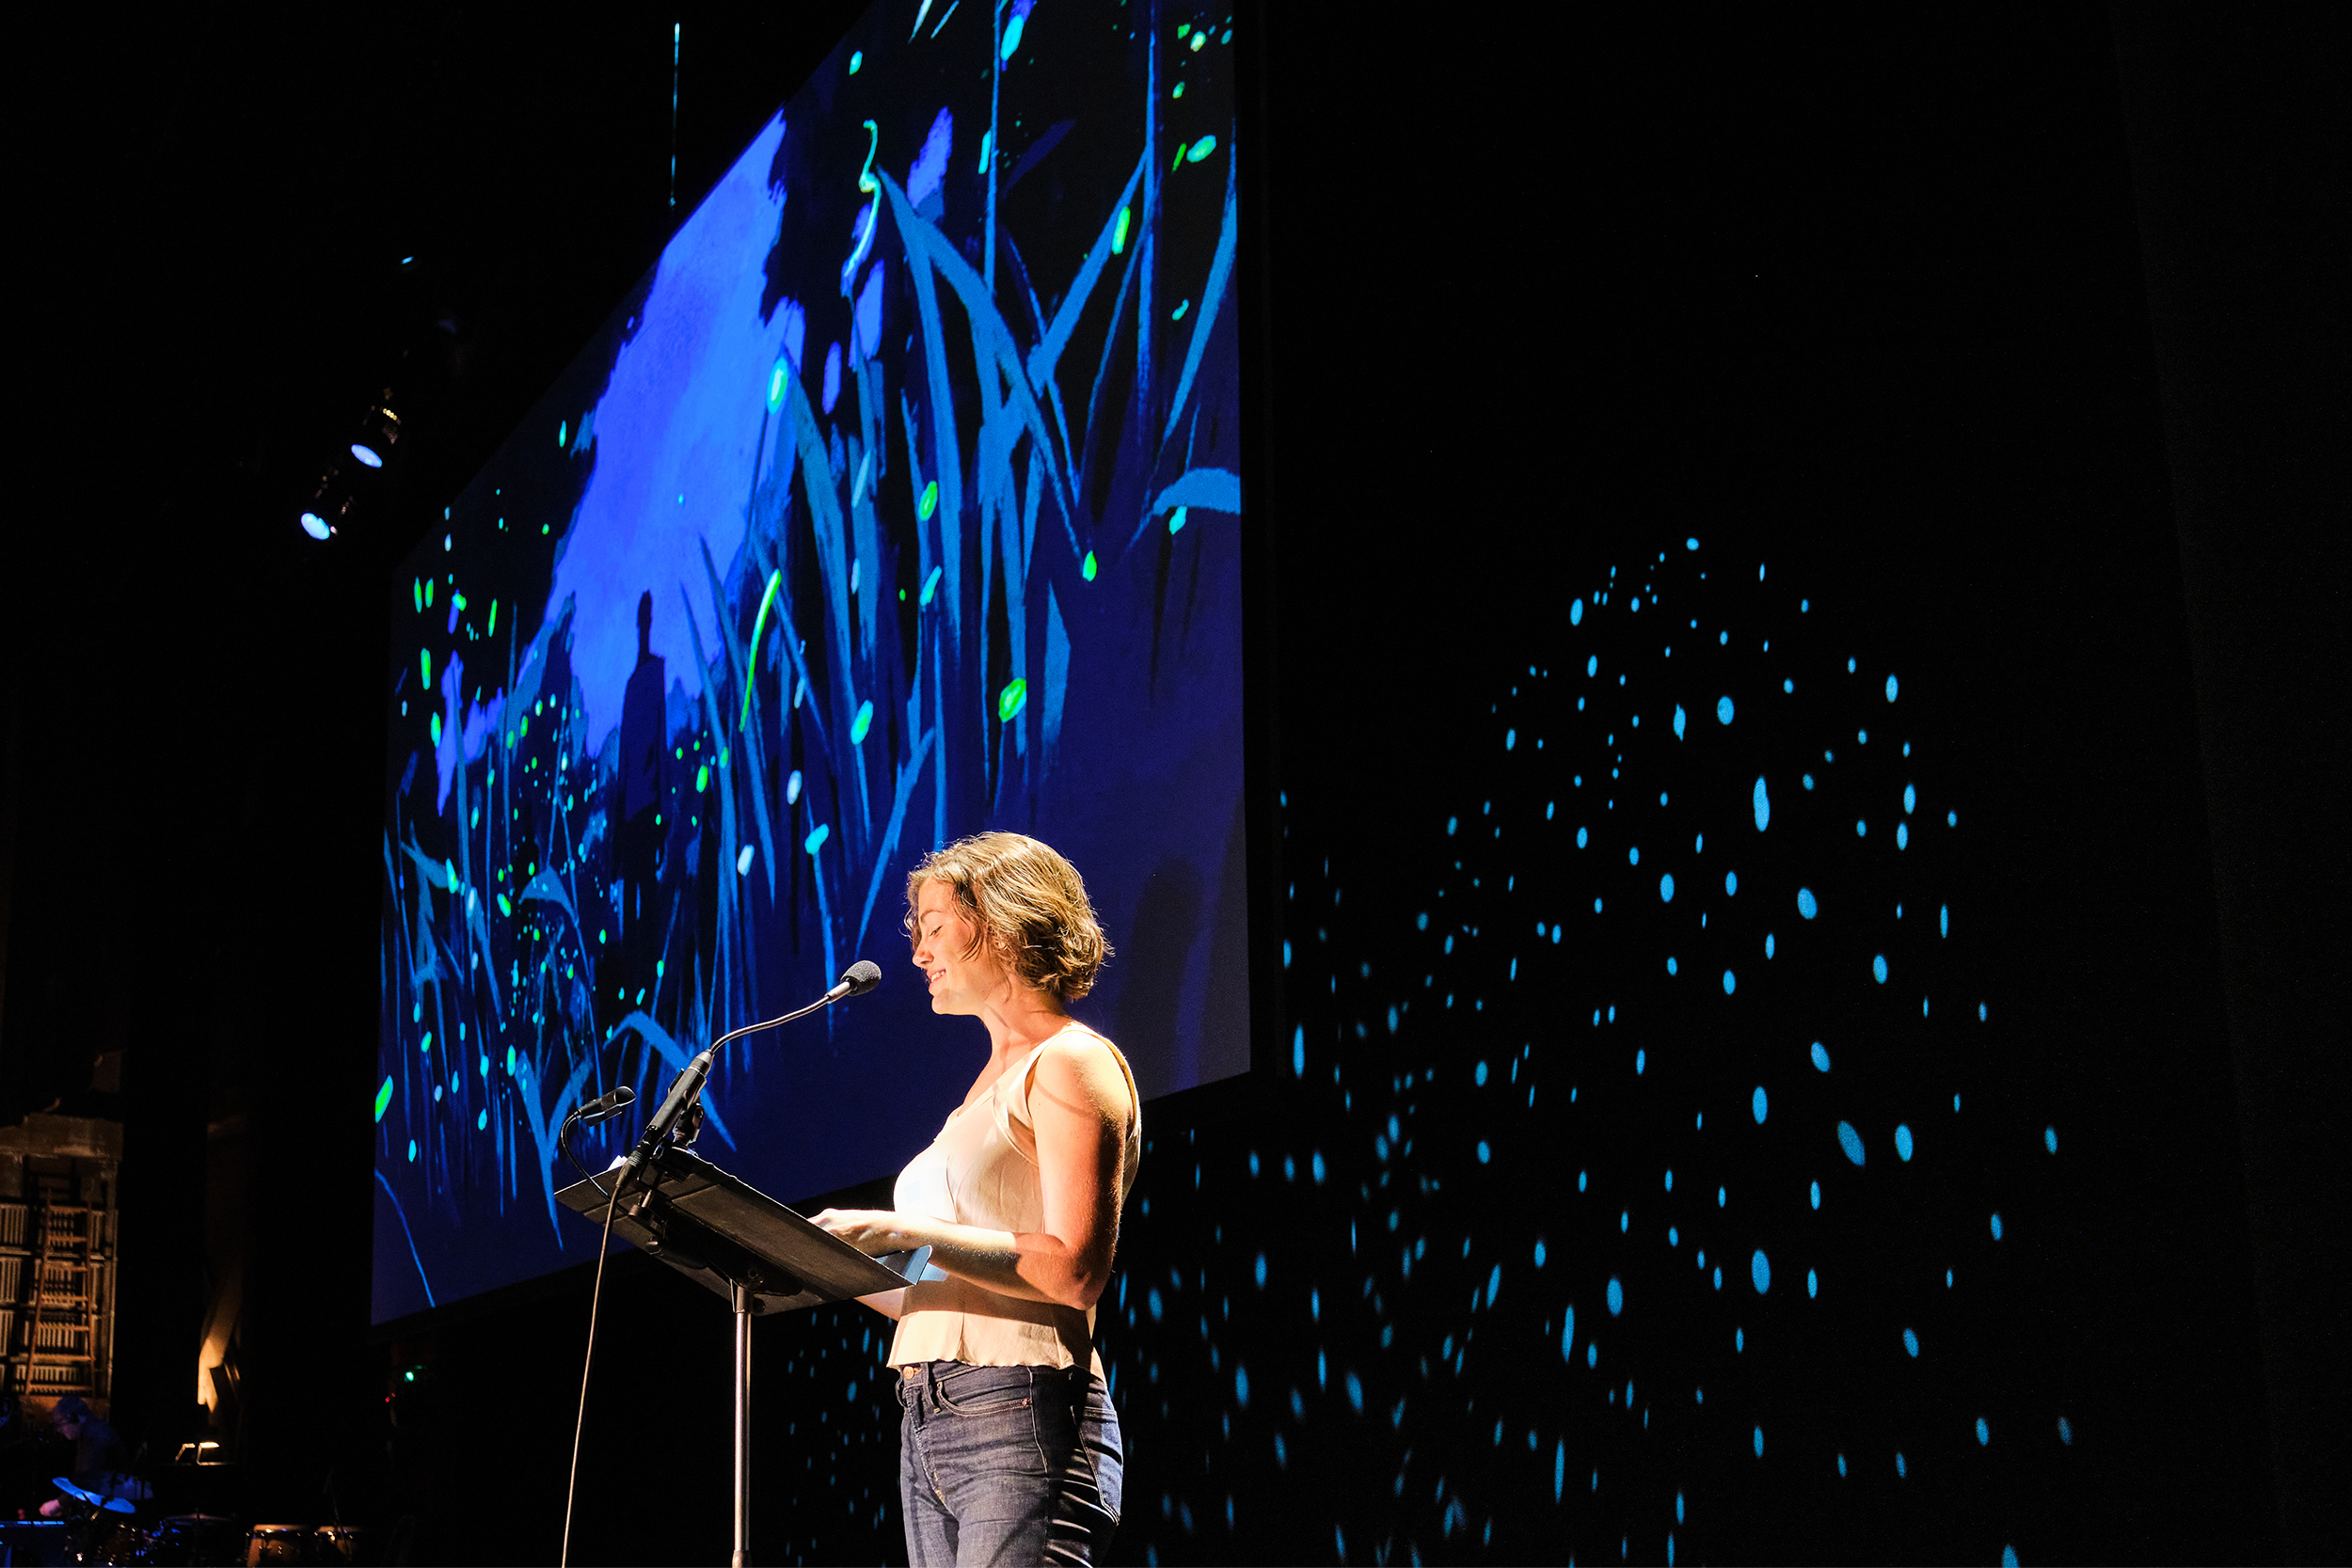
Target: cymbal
[[98, 1499]]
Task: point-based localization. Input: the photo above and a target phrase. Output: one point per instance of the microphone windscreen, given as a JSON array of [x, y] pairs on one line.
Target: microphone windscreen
[[862, 976]]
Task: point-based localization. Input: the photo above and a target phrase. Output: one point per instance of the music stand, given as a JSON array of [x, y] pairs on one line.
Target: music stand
[[740, 1243]]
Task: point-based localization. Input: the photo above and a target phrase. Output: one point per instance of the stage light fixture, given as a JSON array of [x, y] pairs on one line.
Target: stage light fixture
[[329, 505], [379, 433]]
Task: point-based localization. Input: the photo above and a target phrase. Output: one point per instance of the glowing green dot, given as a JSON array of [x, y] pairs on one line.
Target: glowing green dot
[[1179, 92], [494, 616], [1178, 314], [931, 585], [1086, 567], [562, 429], [505, 908], [1176, 520], [436, 729], [857, 59], [862, 722], [428, 592], [930, 504], [1200, 149], [702, 778], [425, 662], [382, 1100], [416, 591], [1012, 699], [1118, 234]]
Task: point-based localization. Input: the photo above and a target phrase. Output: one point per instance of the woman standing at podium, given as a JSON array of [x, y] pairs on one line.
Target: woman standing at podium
[[1010, 1447]]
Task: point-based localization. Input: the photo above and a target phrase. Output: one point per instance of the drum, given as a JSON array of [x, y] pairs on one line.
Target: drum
[[200, 1539], [336, 1545], [117, 1541], [277, 1543]]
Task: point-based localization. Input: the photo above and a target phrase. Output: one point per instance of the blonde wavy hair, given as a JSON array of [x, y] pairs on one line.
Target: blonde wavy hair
[[1029, 906]]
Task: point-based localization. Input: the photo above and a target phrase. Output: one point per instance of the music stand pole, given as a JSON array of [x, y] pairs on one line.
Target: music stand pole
[[742, 1302]]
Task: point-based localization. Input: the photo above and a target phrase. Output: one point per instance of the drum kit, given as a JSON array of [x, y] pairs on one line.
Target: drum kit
[[103, 1525]]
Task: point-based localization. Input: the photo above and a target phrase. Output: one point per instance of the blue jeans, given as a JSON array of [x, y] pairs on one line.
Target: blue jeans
[[1007, 1465]]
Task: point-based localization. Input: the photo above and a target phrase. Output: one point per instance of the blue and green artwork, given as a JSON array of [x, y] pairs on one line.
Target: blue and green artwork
[[899, 502]]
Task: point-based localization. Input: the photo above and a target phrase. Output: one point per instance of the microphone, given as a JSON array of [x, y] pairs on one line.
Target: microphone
[[604, 1107], [859, 979]]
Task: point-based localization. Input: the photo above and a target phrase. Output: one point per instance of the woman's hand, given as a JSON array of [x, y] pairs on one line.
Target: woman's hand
[[872, 1231]]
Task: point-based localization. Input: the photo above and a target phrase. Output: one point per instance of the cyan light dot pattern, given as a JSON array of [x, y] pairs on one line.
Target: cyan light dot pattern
[[1490, 1324]]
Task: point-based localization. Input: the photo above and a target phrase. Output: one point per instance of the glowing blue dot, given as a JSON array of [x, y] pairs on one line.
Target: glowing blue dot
[[1680, 720], [1911, 800], [1817, 1195], [1911, 1341], [412, 1149], [1902, 1141], [1483, 1152], [1580, 838], [1760, 1272], [1902, 836], [1899, 1469], [1731, 882], [1641, 1059], [1890, 688], [1687, 545], [1731, 982], [1723, 710], [1763, 807], [1851, 1141], [1582, 1176], [1451, 823], [1617, 1297], [1757, 1103], [1768, 944], [2066, 1432], [1510, 739], [1539, 1255], [1820, 1057], [1633, 856], [1944, 921], [1996, 1227], [1666, 888], [1241, 1386], [1807, 905], [1576, 612], [1596, 906], [1759, 1442], [1878, 967], [1592, 665], [1671, 966], [1984, 1432], [1478, 1074], [1812, 1279], [1262, 1270], [2049, 1139], [1841, 1464]]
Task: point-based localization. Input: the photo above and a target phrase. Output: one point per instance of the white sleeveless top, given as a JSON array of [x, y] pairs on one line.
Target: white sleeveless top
[[975, 1174]]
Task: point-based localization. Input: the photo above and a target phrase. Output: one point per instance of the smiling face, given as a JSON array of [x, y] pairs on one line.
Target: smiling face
[[960, 971]]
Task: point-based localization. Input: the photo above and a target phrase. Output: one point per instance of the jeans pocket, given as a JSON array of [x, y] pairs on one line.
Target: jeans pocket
[[985, 1390]]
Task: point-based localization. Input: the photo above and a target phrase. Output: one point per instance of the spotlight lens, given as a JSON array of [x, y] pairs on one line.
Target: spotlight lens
[[366, 454], [314, 525]]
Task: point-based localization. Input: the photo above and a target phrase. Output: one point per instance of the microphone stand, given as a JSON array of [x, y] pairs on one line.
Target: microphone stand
[[684, 1090]]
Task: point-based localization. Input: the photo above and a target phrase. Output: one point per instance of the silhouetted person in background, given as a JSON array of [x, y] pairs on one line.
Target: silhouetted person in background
[[638, 801]]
